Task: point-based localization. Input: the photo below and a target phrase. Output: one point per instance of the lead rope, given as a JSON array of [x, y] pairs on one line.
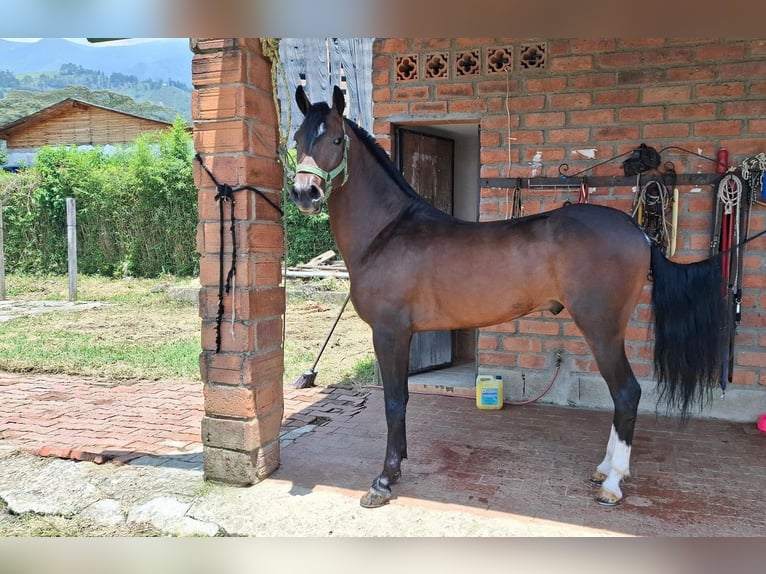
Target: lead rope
[[729, 193], [517, 203], [650, 210], [753, 170], [225, 193]]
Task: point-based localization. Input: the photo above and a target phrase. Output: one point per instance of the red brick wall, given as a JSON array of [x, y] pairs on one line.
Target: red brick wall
[[235, 132], [608, 95]]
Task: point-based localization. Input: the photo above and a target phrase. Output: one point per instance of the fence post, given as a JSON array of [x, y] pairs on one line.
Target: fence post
[[71, 236], [2, 257]]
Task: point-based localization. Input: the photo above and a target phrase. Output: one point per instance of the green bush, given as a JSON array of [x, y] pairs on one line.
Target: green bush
[[307, 235], [68, 172], [165, 205], [18, 201], [136, 209]]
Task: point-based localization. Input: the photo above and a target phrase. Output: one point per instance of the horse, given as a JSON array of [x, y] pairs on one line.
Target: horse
[[415, 268]]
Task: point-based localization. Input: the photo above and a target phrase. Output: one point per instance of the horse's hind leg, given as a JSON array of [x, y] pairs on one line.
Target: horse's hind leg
[[392, 348], [626, 392]]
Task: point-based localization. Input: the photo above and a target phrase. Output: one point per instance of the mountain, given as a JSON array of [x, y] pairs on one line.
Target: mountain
[[18, 104], [161, 59], [156, 75]]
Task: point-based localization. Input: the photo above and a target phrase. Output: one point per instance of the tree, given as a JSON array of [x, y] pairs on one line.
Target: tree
[[8, 79]]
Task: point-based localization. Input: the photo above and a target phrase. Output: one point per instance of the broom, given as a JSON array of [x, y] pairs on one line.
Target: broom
[[307, 378]]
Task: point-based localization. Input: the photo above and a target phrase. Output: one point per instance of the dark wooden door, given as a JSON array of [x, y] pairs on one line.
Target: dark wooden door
[[426, 161]]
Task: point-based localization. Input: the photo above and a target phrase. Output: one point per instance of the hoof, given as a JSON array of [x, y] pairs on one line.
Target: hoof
[[374, 498], [608, 498], [597, 477]]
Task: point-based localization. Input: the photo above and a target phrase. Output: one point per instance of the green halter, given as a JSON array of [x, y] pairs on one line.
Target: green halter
[[329, 176]]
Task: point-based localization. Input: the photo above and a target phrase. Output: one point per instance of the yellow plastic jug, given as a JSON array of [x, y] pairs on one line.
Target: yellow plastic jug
[[489, 392]]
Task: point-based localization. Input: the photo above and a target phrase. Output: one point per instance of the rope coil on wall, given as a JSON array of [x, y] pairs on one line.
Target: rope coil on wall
[[753, 170], [655, 210]]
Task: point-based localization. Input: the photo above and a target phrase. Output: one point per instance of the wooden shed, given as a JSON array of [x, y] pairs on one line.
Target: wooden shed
[[74, 122]]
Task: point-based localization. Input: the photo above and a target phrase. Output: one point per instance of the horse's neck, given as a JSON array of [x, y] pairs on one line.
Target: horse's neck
[[368, 204]]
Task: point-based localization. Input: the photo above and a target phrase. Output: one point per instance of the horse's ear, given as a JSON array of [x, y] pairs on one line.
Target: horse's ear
[[302, 100], [338, 100]]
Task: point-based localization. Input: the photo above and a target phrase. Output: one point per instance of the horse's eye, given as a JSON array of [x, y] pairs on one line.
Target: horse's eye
[[337, 141]]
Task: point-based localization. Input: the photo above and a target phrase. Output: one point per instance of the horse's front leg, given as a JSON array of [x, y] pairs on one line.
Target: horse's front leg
[[392, 348]]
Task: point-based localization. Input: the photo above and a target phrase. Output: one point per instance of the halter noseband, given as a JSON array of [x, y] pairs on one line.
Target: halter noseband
[[328, 176]]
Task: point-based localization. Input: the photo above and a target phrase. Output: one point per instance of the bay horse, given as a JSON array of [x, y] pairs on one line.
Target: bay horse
[[414, 268]]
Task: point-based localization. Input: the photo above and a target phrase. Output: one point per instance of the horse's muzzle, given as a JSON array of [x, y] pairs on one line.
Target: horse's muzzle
[[307, 198]]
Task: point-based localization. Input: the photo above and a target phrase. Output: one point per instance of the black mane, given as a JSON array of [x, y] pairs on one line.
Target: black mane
[[422, 205]]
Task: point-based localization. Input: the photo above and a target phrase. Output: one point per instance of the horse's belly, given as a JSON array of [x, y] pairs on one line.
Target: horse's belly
[[479, 305]]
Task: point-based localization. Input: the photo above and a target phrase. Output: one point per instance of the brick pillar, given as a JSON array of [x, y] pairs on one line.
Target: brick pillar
[[235, 132]]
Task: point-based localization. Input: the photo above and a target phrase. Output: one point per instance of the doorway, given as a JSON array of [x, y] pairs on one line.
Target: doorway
[[441, 162]]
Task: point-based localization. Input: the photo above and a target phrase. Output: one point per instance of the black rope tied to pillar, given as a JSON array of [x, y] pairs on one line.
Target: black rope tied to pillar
[[225, 194]]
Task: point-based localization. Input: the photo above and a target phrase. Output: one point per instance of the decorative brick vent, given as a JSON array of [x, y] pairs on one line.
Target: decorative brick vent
[[499, 60], [467, 63], [407, 68], [437, 66], [470, 62], [532, 56]]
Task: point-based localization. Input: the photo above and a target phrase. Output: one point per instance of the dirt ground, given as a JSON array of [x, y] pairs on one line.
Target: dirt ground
[[311, 311]]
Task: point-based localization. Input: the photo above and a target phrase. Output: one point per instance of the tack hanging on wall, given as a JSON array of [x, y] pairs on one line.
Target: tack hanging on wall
[[566, 180]]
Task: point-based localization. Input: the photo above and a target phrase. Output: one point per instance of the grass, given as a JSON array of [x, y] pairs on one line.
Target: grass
[[63, 351], [140, 333], [34, 525], [25, 287], [297, 360], [363, 371]]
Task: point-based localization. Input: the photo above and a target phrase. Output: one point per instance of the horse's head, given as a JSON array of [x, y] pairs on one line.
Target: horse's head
[[322, 151]]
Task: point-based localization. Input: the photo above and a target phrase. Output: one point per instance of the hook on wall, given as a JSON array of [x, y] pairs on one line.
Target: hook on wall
[[564, 167], [657, 168], [714, 160]]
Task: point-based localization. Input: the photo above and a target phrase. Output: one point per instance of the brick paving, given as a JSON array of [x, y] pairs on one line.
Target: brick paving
[[88, 419], [707, 478], [100, 421]]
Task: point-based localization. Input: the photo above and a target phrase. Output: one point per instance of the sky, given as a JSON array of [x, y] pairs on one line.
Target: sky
[[373, 18], [85, 41]]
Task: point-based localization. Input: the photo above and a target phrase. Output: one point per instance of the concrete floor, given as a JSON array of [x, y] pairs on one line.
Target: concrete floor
[[705, 478]]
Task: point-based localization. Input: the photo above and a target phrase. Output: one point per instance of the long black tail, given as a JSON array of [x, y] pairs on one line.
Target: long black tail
[[689, 323]]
